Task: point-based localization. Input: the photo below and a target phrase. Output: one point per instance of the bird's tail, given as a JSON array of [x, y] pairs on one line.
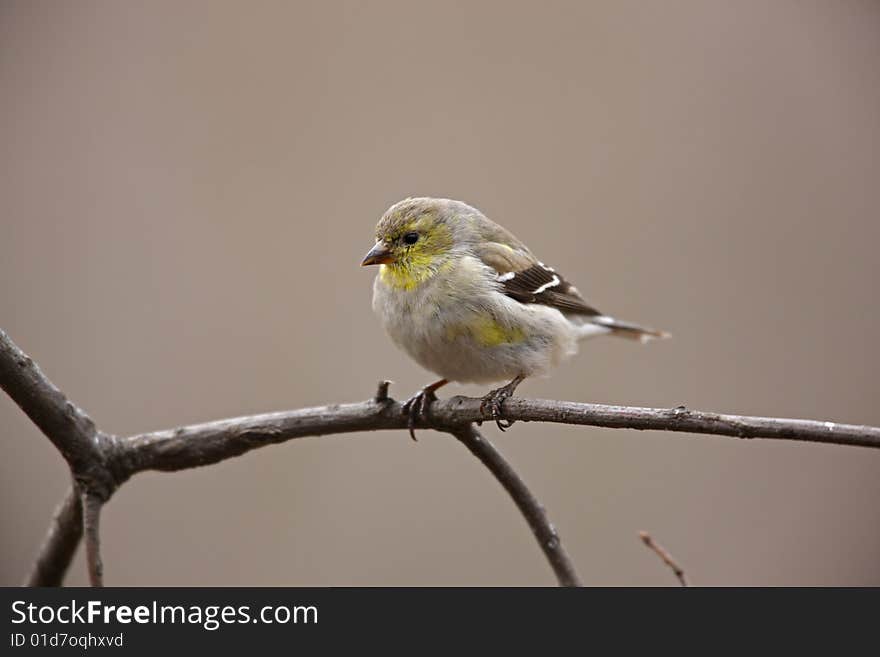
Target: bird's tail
[[599, 324]]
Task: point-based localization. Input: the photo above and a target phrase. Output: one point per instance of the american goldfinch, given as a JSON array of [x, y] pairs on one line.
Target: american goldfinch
[[468, 301]]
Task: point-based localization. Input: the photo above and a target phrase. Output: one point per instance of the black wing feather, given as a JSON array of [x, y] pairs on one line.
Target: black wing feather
[[541, 284]]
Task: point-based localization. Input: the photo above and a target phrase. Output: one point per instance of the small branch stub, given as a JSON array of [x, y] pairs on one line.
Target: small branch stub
[[381, 396]]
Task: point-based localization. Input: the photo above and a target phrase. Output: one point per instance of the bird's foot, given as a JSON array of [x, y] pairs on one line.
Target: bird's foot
[[416, 408], [494, 401]]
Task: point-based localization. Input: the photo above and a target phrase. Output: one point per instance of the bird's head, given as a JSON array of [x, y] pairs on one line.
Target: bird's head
[[415, 239]]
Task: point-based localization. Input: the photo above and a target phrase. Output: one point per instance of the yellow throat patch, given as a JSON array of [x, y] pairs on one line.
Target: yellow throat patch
[[412, 274]]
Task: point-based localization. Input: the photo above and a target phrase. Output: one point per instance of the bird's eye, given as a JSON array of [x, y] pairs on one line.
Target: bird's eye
[[411, 238]]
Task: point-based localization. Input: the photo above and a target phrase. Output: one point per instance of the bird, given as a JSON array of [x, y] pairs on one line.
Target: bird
[[467, 300]]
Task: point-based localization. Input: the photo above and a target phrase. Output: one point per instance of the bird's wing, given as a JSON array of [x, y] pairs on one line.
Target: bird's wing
[[524, 278]]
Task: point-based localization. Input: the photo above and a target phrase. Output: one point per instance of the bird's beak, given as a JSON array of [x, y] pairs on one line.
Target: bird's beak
[[380, 254]]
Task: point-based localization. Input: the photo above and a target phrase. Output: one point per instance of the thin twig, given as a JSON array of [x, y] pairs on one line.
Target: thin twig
[[91, 506], [665, 556], [532, 511], [60, 543]]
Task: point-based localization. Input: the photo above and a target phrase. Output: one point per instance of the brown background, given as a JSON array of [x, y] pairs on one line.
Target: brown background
[[187, 190]]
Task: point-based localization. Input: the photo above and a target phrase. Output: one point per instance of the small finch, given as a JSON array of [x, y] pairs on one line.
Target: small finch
[[468, 301]]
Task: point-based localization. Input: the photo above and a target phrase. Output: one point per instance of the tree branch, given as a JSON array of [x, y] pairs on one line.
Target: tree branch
[[87, 451], [203, 444], [91, 511], [678, 419], [532, 511], [100, 462], [68, 427], [60, 543]]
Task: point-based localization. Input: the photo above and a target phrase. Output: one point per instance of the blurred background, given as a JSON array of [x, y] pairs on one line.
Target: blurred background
[[188, 188]]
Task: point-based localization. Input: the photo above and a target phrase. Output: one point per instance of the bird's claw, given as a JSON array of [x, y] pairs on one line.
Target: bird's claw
[[494, 400], [416, 408]]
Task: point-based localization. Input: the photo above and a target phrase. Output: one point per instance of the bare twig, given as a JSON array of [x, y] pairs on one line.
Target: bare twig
[[60, 543], [211, 442], [665, 556], [203, 444], [91, 510], [532, 511], [678, 419], [100, 462]]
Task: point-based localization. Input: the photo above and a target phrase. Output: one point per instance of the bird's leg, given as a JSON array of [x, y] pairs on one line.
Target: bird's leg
[[495, 399], [416, 407]]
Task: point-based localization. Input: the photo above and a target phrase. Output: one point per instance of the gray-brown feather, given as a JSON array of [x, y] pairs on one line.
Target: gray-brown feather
[[525, 279]]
